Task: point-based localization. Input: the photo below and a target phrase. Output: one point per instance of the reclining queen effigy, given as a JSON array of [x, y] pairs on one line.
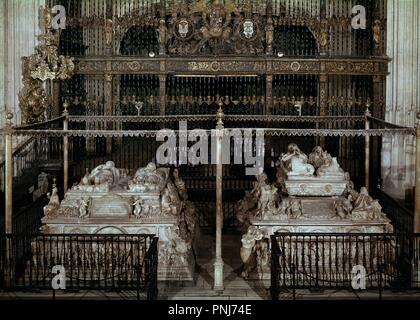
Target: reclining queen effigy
[[109, 201], [311, 195]]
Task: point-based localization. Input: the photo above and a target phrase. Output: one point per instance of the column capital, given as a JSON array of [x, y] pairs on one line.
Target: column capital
[[417, 124], [108, 77], [9, 123], [66, 107], [9, 116]]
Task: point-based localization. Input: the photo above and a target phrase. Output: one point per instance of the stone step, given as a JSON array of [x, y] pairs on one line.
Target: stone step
[[190, 293]]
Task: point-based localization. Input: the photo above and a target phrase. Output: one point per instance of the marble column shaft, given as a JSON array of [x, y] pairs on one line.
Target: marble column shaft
[[403, 94]]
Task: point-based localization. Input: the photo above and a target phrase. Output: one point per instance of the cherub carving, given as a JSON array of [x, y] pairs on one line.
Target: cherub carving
[[83, 207], [138, 207], [294, 210], [53, 205]]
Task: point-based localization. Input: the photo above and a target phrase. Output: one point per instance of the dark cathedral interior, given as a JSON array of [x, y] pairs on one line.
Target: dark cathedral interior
[[210, 149]]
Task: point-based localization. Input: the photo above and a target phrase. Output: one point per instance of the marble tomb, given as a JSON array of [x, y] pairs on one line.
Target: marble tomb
[[312, 194], [152, 201]]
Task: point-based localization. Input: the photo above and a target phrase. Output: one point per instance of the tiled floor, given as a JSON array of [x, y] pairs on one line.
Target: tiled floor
[[235, 286]]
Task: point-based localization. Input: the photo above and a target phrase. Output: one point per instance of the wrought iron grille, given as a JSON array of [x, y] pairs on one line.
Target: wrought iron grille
[[100, 262], [325, 261]]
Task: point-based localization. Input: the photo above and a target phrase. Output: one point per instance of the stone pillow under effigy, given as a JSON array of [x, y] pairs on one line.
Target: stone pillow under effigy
[[110, 206]]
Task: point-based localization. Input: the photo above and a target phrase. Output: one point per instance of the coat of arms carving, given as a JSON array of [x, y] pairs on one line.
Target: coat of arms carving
[[203, 28], [215, 27]]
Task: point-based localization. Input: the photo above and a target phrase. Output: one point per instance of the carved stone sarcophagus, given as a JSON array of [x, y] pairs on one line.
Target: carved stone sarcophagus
[[109, 201]]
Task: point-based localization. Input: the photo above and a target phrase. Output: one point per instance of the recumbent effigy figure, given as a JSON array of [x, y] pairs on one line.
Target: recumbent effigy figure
[[105, 174], [101, 179], [295, 162], [149, 178], [324, 163]]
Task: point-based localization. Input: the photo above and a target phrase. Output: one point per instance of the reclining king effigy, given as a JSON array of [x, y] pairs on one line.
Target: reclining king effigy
[[152, 201]]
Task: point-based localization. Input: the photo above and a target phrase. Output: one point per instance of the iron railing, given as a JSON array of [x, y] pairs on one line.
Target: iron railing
[[331, 261], [98, 262], [28, 219], [28, 162]]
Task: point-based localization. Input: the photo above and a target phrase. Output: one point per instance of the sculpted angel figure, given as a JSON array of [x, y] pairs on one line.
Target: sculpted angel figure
[[377, 32], [362, 200], [365, 207], [166, 202], [269, 35], [261, 180], [54, 199], [295, 209], [249, 250], [137, 207], [47, 17], [180, 184], [54, 203], [162, 36], [350, 184], [83, 207], [66, 68], [343, 208], [267, 201]]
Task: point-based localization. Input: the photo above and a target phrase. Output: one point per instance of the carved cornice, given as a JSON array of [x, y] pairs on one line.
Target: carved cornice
[[135, 66], [350, 67], [296, 66], [87, 67], [238, 65]]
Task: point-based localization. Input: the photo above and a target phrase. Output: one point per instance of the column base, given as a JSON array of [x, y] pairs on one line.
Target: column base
[[218, 276]]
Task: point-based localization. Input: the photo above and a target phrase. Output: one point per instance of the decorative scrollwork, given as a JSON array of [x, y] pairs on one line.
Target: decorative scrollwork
[[217, 28], [44, 65]]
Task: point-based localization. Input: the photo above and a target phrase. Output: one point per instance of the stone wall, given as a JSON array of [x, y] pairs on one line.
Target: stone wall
[[19, 28], [403, 94]]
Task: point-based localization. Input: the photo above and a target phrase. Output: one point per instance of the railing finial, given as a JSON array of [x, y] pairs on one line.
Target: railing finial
[[368, 105], [9, 117], [66, 106], [220, 115]]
